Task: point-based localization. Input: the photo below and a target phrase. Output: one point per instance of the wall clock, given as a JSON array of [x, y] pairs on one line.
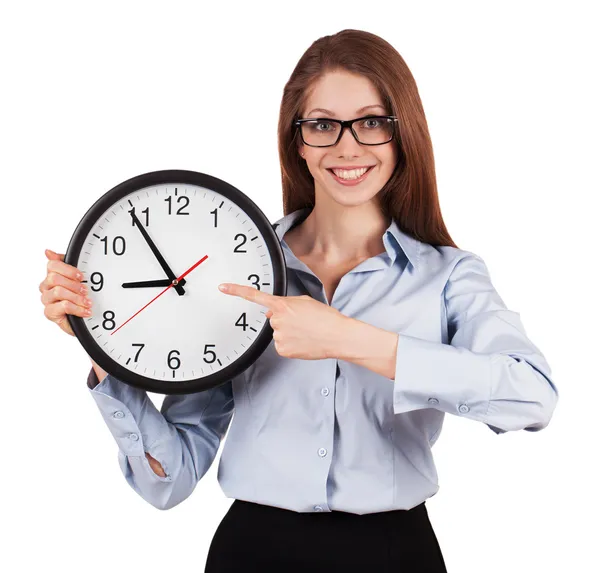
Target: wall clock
[[152, 252]]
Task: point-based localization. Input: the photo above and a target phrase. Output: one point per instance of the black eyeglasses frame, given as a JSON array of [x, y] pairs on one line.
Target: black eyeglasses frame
[[343, 123]]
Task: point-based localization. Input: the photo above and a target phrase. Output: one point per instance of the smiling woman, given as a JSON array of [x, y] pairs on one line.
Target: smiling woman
[[386, 327], [347, 144], [360, 198]]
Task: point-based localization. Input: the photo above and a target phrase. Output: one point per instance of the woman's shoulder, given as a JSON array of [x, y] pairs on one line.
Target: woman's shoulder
[[436, 258]]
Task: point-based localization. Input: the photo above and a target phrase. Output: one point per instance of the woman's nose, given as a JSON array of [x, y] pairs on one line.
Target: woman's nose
[[347, 142]]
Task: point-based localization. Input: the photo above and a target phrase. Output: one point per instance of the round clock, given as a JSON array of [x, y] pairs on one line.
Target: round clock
[[152, 252]]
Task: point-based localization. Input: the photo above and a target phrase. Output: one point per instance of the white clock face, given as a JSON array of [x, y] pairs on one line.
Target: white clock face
[[174, 337]]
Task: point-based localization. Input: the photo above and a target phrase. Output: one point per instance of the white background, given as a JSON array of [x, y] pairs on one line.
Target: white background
[[95, 93]]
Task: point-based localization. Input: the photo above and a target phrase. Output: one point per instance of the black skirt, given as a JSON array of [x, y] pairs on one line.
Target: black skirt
[[254, 537]]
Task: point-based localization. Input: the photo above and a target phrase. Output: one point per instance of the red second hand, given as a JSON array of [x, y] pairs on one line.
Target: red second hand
[[163, 292]]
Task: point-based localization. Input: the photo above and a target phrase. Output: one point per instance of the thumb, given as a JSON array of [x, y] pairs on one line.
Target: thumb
[[52, 256]]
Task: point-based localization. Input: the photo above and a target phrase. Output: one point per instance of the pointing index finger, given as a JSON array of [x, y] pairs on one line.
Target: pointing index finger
[[249, 293]]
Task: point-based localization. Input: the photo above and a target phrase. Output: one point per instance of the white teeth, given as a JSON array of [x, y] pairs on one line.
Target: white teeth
[[350, 173]]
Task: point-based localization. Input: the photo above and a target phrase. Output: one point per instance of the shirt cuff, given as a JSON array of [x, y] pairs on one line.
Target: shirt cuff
[[128, 413], [435, 375]]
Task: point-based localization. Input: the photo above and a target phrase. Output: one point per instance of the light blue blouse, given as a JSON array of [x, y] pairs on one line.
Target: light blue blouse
[[323, 435]]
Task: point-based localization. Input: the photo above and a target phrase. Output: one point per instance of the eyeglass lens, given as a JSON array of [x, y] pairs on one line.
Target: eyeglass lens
[[371, 130]]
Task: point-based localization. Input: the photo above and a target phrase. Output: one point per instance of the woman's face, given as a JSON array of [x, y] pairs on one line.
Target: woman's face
[[342, 95]]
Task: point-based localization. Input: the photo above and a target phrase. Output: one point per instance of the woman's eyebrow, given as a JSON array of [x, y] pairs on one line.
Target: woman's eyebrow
[[358, 111]]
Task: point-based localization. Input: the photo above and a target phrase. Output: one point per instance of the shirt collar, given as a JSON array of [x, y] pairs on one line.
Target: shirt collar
[[395, 240]]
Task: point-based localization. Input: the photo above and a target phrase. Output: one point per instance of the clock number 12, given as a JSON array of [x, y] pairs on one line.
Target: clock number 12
[[179, 199]]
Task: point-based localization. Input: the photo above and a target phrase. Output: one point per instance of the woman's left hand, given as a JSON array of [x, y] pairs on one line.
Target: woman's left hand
[[302, 326]]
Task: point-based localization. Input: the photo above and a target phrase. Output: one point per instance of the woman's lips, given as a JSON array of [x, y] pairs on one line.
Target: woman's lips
[[351, 182]]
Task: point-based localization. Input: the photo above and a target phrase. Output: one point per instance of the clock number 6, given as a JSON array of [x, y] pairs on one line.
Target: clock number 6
[[173, 362]]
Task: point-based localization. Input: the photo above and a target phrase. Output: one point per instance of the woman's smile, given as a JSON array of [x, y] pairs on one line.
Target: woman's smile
[[350, 176]]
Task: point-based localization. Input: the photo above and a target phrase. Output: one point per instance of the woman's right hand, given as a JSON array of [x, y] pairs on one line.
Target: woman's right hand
[[62, 292]]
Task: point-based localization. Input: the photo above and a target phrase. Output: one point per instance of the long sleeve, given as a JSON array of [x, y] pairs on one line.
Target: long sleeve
[[184, 436], [489, 371]]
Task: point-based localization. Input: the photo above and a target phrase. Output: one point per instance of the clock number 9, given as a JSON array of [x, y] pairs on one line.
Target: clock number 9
[[97, 281]]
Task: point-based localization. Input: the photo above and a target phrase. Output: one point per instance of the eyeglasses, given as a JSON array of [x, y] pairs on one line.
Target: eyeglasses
[[326, 132]]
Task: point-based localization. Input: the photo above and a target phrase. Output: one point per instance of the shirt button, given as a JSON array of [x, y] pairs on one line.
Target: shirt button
[[463, 408], [318, 508], [118, 414], [322, 452], [134, 437], [433, 401], [325, 391]]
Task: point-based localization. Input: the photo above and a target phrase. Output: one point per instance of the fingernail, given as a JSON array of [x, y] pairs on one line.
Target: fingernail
[[223, 288], [83, 289]]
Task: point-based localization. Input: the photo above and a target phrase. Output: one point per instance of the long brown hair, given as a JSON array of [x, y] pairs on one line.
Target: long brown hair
[[410, 195]]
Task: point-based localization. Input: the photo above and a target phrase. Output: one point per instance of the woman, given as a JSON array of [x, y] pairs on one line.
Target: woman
[[386, 327]]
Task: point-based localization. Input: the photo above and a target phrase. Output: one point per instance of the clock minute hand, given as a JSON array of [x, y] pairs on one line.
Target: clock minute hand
[[157, 283], [171, 285], [156, 252]]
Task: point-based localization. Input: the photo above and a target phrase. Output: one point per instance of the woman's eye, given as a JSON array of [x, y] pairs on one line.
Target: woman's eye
[[369, 123], [318, 126]]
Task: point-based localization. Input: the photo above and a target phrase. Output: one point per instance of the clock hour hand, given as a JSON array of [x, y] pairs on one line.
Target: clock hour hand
[[156, 252], [171, 285], [157, 283]]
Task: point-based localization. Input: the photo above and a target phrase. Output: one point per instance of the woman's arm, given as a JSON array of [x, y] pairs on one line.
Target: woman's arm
[[154, 464], [184, 435], [369, 346], [489, 371]]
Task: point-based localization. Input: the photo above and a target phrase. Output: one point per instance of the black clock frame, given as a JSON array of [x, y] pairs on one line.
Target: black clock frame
[[179, 177]]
